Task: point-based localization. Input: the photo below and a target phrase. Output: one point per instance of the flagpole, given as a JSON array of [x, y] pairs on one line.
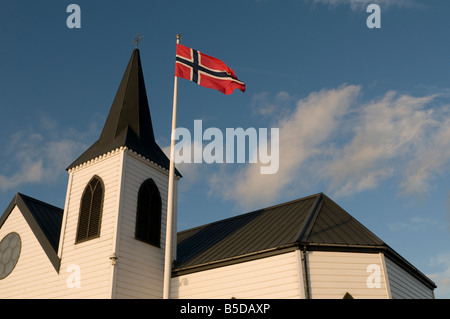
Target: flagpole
[[169, 226]]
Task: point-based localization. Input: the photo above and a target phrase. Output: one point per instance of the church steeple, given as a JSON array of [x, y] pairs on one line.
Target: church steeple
[[117, 198], [129, 122]]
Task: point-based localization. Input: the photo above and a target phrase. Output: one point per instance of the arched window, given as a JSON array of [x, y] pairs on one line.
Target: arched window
[[91, 207], [148, 216]]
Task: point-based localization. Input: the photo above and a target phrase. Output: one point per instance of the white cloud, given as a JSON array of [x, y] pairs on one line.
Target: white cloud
[[333, 141], [31, 157], [431, 157], [264, 105], [302, 133], [388, 133]]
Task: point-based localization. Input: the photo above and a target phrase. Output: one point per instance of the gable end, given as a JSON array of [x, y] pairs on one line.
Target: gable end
[[44, 220]]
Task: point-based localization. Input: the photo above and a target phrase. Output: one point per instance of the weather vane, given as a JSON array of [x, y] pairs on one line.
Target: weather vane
[[136, 41]]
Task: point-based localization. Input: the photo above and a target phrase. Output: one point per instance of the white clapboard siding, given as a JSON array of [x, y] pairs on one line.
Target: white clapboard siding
[[332, 274], [92, 256], [140, 266], [404, 285], [270, 277], [34, 276]]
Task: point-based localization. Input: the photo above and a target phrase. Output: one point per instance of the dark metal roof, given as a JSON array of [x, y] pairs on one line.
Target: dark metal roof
[[256, 231], [129, 122], [311, 220], [48, 217], [314, 222], [44, 220], [334, 226]]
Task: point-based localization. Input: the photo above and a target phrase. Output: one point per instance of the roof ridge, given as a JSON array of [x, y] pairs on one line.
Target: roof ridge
[[309, 221], [355, 220]]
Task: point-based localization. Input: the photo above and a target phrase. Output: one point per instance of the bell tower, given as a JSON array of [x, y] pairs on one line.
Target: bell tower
[[114, 220]]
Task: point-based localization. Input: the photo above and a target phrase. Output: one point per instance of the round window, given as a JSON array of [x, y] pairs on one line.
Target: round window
[[10, 247]]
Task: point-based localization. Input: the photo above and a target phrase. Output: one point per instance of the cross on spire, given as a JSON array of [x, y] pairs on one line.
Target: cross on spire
[[136, 41]]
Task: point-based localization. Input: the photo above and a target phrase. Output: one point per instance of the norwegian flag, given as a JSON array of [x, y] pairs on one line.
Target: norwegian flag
[[205, 70]]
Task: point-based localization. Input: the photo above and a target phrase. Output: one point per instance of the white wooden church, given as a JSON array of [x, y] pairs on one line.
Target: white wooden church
[[108, 240]]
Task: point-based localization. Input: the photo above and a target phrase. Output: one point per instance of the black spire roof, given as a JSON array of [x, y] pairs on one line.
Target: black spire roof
[[129, 122]]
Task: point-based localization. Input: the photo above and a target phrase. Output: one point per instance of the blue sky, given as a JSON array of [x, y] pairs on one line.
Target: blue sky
[[364, 114]]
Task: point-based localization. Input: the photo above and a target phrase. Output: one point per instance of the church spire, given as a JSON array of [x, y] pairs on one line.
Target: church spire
[[130, 108], [129, 122]]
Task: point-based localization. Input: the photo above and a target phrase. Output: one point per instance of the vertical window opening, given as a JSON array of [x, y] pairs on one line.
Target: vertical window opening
[[148, 216], [91, 207]]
